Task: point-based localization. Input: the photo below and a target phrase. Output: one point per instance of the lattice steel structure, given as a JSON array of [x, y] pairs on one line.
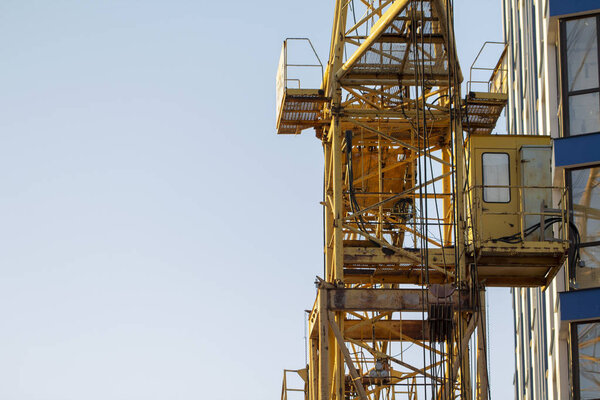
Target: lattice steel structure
[[400, 299]]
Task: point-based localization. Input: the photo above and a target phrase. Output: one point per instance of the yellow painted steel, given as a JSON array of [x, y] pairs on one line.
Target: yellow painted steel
[[402, 292], [502, 218], [503, 237]]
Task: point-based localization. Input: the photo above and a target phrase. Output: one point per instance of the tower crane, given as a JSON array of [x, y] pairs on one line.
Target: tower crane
[[420, 211]]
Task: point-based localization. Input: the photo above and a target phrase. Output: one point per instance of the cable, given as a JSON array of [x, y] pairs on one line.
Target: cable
[[353, 203], [574, 252], [354, 206]]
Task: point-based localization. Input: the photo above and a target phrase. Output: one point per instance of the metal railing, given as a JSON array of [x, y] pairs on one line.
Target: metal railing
[[282, 79], [498, 82], [286, 65], [407, 391], [547, 216], [284, 386]]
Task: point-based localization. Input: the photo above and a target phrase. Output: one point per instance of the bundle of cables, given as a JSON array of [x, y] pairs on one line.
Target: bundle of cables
[[353, 203], [575, 238]]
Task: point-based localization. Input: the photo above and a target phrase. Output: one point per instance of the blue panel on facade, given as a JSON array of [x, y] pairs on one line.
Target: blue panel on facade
[[577, 151], [580, 305], [565, 7]]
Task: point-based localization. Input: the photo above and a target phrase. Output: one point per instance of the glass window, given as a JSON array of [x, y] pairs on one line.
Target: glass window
[[585, 189], [584, 113], [588, 347], [582, 54], [585, 192], [588, 274], [496, 173], [581, 75]]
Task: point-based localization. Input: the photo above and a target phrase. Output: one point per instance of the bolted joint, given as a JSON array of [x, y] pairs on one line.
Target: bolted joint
[[337, 111]]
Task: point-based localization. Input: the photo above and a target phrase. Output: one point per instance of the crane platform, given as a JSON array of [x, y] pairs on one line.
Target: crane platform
[[300, 109], [482, 110], [528, 264]]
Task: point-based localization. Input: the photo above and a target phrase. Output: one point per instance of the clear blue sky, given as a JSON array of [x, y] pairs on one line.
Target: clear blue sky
[[157, 240]]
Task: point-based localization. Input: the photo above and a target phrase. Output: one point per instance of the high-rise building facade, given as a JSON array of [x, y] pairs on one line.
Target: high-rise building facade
[[553, 64]]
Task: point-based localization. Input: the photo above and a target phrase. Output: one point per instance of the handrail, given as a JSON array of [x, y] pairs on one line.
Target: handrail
[[282, 79], [494, 70], [285, 389], [564, 231], [286, 65]]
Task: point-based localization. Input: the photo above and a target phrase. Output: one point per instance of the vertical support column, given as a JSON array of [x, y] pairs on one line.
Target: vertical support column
[[380, 187], [338, 200], [482, 376], [459, 241], [443, 392], [447, 201], [335, 135], [324, 371], [334, 261], [459, 195], [329, 212], [336, 367], [313, 370], [333, 149], [329, 78], [465, 365]]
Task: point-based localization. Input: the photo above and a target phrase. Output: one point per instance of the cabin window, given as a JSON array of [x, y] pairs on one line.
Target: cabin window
[[496, 177]]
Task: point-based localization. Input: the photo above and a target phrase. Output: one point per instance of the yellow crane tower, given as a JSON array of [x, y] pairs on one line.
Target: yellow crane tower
[[423, 207]]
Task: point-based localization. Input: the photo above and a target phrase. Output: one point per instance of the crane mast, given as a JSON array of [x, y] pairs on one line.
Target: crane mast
[[401, 296], [392, 106]]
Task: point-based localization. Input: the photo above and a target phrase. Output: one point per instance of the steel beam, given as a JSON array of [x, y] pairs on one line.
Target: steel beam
[[353, 299]]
